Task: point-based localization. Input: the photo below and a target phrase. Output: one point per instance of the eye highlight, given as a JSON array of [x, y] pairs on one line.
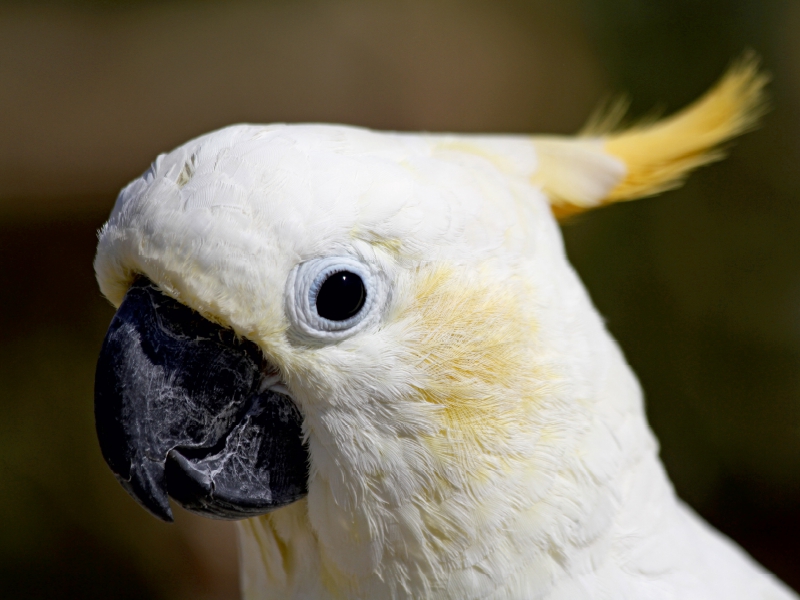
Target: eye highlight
[[341, 296]]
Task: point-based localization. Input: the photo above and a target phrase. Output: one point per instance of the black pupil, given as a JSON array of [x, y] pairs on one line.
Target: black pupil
[[341, 296]]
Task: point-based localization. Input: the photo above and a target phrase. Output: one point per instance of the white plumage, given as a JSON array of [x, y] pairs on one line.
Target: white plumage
[[478, 434]]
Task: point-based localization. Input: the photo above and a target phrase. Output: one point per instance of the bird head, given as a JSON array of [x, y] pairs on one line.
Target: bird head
[[383, 326]]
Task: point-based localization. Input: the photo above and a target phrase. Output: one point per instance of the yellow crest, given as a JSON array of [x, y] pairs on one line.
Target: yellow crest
[[609, 164]]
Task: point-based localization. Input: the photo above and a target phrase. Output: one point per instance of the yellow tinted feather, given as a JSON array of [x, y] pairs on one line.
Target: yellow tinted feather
[[607, 164], [658, 156]]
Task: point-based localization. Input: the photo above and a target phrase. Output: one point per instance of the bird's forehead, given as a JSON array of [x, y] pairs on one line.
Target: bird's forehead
[[237, 209], [304, 187], [341, 174]]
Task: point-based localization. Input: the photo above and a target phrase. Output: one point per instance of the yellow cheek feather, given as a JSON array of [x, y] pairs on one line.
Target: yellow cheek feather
[[473, 343]]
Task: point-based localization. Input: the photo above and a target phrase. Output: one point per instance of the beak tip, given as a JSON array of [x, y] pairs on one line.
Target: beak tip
[[147, 488], [158, 507], [159, 511], [166, 516]]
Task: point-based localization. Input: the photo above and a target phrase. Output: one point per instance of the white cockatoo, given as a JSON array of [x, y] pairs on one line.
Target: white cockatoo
[[370, 348]]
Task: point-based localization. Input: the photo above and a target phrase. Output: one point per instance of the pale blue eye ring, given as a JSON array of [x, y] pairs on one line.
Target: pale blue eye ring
[[303, 288]]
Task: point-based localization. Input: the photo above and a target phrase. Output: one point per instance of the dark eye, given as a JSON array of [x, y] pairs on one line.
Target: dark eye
[[341, 296]]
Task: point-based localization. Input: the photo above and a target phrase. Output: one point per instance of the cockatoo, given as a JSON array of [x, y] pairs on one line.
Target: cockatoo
[[370, 349]]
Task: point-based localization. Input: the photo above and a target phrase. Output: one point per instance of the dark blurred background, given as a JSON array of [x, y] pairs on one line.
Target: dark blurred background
[[701, 286]]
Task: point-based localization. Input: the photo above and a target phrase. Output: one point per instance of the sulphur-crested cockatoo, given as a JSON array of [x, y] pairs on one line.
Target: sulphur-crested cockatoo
[[371, 349]]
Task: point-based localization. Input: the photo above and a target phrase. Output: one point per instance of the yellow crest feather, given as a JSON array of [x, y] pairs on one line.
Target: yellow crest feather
[[658, 156]]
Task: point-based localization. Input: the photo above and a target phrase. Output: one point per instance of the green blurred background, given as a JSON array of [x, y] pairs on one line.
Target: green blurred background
[[701, 286]]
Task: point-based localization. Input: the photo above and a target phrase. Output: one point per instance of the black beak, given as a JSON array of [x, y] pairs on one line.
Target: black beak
[[182, 408]]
